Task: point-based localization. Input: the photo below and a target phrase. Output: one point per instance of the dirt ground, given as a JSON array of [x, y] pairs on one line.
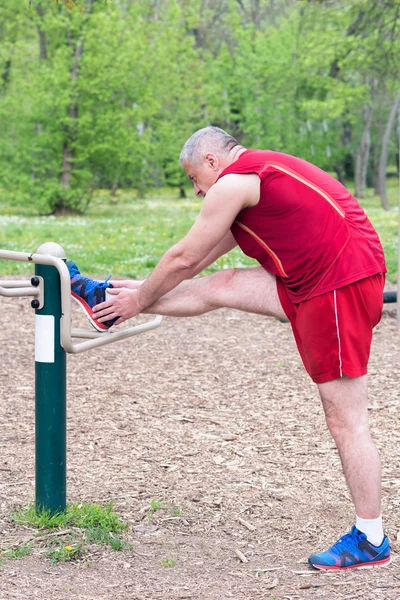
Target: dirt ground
[[215, 417]]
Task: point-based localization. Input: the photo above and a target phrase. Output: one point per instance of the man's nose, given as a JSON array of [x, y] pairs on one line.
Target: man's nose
[[197, 190]]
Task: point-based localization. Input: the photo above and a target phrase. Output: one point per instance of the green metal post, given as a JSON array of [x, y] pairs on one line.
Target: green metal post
[[50, 369]]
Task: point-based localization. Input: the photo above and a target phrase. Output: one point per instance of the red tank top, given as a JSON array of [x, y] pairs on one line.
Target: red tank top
[[307, 228]]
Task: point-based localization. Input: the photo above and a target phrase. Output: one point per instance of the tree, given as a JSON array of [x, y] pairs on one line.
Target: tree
[[107, 96]]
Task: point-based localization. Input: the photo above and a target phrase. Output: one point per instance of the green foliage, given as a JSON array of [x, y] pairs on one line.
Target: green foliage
[[105, 96], [128, 239], [103, 99]]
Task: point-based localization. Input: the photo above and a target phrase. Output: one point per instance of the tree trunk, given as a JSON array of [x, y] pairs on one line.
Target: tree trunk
[[66, 172], [42, 34], [352, 29], [68, 154], [42, 57], [362, 154], [6, 72], [339, 172], [378, 143], [385, 152], [114, 186]]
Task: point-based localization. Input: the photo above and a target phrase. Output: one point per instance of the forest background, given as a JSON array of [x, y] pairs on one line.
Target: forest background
[[101, 95]]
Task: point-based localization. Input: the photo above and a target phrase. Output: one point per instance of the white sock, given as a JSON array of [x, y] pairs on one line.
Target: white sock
[[372, 528]]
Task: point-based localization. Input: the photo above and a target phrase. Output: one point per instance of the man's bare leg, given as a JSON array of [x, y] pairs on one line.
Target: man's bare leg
[[251, 290], [344, 400], [345, 405]]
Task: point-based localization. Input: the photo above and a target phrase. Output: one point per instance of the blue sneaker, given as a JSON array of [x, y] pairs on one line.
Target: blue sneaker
[[352, 551], [89, 293]]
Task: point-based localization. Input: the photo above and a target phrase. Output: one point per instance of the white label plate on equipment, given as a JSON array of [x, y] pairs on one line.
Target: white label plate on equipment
[[44, 338]]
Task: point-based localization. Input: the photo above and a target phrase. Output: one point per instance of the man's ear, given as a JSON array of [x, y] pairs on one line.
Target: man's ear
[[212, 161]]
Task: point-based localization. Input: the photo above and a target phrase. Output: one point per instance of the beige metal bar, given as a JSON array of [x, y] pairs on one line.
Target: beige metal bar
[[15, 283], [107, 337], [86, 333], [14, 292]]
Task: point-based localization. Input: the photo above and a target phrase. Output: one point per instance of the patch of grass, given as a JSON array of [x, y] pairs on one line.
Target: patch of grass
[[155, 505], [168, 562], [18, 552], [98, 535], [176, 511], [83, 516], [59, 552], [158, 505], [90, 523]]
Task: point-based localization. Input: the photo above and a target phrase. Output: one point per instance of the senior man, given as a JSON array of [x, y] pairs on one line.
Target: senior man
[[322, 267]]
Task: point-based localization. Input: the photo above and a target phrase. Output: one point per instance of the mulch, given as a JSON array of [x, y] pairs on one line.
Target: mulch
[[214, 417]]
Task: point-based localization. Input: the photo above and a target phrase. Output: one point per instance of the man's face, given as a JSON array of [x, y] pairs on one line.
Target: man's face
[[204, 175]]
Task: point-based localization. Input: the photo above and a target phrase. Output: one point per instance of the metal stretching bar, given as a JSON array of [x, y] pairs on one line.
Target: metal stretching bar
[[95, 340], [18, 283], [53, 338], [15, 288], [14, 292], [390, 296]]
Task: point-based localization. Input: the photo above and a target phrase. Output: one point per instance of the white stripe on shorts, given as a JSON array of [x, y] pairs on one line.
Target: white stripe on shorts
[[338, 334]]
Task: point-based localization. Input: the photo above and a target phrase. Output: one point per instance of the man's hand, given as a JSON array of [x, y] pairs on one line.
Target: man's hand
[[125, 306]]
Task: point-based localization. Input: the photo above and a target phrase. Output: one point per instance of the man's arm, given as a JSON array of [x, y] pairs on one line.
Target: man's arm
[[225, 245], [223, 202]]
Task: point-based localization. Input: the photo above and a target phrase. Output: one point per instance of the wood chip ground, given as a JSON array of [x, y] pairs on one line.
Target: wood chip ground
[[215, 417]]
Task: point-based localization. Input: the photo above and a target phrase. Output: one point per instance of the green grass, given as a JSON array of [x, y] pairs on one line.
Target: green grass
[[79, 525], [99, 535], [168, 562], [83, 516], [19, 552], [59, 552], [128, 238], [155, 505]]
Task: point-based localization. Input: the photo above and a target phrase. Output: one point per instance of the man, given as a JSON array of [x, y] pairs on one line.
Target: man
[[322, 267]]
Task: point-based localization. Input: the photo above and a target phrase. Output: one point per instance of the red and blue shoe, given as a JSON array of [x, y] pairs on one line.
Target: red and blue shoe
[[352, 551], [89, 293]]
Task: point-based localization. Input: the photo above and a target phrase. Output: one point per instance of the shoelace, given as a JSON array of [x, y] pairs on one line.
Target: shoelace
[[98, 284], [346, 542]]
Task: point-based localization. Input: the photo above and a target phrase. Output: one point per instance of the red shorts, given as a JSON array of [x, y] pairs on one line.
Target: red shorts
[[333, 332]]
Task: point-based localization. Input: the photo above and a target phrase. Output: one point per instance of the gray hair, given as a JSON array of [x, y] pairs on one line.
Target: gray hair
[[208, 139]]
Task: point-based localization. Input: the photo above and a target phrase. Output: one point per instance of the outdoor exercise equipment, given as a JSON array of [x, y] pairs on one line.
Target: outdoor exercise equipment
[[50, 290], [390, 296]]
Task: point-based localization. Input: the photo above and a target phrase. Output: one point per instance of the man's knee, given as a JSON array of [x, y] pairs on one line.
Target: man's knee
[[220, 286], [345, 407]]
